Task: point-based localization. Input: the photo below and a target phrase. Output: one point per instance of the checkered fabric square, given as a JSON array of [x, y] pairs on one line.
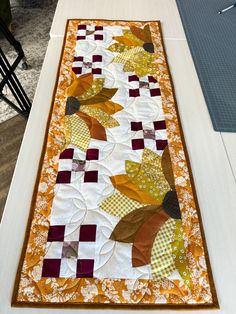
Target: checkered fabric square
[[69, 165], [162, 262], [144, 86], [74, 259], [89, 64], [142, 135]]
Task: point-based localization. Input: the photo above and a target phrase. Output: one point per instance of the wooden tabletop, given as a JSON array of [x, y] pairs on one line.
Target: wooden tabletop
[[212, 154]]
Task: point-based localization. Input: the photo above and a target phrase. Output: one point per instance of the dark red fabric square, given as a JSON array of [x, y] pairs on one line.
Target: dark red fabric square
[[82, 27], [77, 70], [97, 71], [155, 92], [98, 28], [56, 233], [84, 268], [51, 267], [97, 58], [134, 92], [92, 154], [87, 233], [151, 79], [78, 59], [133, 78], [138, 143], [91, 176], [81, 37], [159, 125], [98, 37], [63, 177], [136, 126], [161, 144], [67, 153]]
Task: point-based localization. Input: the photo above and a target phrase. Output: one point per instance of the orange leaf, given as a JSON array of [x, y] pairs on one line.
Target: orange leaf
[[124, 40], [123, 184], [109, 107], [80, 84], [97, 131], [142, 33]]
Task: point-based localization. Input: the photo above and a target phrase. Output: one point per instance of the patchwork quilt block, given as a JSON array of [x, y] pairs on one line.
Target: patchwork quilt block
[[115, 220]]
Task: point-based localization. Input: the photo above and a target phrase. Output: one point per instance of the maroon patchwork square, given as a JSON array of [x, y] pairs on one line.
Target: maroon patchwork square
[[92, 154], [77, 70], [161, 144], [91, 176], [81, 37], [133, 78], [136, 126], [134, 92], [81, 59], [98, 37], [97, 58], [70, 249], [98, 28], [151, 79], [97, 71], [63, 177], [84, 268], [150, 134], [56, 233], [87, 233], [78, 165], [67, 153], [51, 267], [155, 92], [159, 125], [82, 27], [138, 143]]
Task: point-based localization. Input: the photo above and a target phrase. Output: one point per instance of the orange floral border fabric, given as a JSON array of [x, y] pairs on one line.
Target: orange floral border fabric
[[32, 290]]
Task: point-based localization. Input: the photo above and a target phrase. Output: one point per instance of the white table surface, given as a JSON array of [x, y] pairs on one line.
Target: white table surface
[[212, 154]]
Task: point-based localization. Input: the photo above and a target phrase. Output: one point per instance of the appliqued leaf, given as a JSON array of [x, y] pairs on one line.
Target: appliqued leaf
[[167, 167], [123, 184], [179, 253], [109, 107], [145, 236], [119, 205], [148, 177], [95, 89], [143, 34], [162, 261], [105, 119], [76, 132], [97, 131], [104, 95], [127, 227], [80, 84]]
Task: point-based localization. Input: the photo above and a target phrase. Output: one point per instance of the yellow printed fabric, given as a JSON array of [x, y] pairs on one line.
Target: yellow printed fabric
[[148, 176], [104, 118], [119, 205], [93, 90]]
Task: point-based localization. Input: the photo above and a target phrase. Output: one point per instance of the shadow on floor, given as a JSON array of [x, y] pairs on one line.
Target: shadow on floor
[[11, 134]]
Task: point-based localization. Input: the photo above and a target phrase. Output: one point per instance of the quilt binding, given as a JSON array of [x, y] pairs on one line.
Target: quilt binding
[[92, 305]]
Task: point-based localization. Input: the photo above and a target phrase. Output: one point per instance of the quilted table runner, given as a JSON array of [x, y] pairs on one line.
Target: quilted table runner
[[114, 218]]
